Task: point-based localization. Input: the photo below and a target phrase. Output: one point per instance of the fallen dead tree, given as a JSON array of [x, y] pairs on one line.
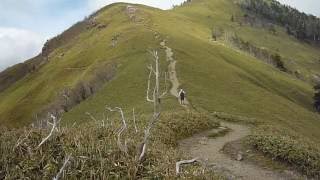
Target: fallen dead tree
[[179, 163]]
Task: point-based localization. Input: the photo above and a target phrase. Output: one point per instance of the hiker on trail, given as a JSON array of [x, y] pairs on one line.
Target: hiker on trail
[[182, 95]]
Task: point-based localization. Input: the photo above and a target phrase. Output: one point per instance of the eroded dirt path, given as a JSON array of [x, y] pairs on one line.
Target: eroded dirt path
[[210, 150], [172, 72]]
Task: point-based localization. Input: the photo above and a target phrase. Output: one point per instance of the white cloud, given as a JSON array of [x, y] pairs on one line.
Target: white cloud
[[18, 45]]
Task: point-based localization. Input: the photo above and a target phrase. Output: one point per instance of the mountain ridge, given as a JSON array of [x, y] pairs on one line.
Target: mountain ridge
[[102, 62]]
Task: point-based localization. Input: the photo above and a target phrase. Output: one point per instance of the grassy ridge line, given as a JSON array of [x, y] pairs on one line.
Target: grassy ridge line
[[220, 79], [89, 50], [298, 55], [94, 150], [239, 86]]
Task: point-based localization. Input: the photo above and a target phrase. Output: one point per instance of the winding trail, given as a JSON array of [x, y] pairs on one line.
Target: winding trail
[[172, 72], [210, 150]]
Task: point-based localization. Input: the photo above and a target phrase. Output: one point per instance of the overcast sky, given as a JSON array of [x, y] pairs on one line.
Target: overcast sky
[[26, 24]]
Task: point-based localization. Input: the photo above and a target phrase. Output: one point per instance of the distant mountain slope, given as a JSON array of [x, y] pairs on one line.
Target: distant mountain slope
[[217, 75]]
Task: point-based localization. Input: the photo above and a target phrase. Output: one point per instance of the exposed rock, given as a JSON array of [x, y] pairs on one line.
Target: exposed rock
[[203, 140], [131, 11], [239, 157], [101, 26], [223, 128]]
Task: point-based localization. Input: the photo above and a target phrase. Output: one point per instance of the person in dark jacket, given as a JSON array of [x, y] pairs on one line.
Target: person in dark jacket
[[182, 95]]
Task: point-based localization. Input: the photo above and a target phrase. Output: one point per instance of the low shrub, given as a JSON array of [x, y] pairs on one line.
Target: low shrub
[[94, 152], [288, 147]]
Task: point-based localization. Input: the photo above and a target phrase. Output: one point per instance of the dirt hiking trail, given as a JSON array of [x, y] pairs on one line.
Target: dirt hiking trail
[[210, 151], [172, 72]]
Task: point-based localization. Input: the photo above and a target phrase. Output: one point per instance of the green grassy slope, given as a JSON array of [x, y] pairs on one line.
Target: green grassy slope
[[216, 77], [298, 56], [238, 84], [82, 56]]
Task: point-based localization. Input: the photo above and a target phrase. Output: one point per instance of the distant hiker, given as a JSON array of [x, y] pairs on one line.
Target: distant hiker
[[182, 95]]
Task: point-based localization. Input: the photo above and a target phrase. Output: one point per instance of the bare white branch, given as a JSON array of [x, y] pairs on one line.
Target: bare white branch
[[54, 125], [152, 122], [20, 141], [178, 164], [148, 89], [134, 120], [73, 125], [122, 147], [91, 116], [103, 120], [144, 145], [62, 168], [155, 100], [151, 69]]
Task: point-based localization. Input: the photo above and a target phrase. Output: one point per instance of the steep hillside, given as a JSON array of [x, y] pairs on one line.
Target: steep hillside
[[218, 78]]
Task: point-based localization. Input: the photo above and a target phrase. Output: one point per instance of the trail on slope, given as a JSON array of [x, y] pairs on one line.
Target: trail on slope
[[172, 72], [210, 150]]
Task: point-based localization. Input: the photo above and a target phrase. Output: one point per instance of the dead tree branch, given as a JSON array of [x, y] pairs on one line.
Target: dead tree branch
[[91, 116], [149, 82], [122, 146], [54, 126], [62, 168], [178, 164], [20, 141], [134, 120], [154, 73]]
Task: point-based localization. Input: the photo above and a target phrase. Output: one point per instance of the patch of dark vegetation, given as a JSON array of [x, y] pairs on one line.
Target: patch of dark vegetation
[[300, 25], [263, 54], [234, 118], [254, 21], [216, 33], [289, 148], [184, 3], [94, 151], [70, 97]]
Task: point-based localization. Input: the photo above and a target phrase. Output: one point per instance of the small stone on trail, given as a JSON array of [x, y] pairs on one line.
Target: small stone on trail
[[239, 157], [203, 140]]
